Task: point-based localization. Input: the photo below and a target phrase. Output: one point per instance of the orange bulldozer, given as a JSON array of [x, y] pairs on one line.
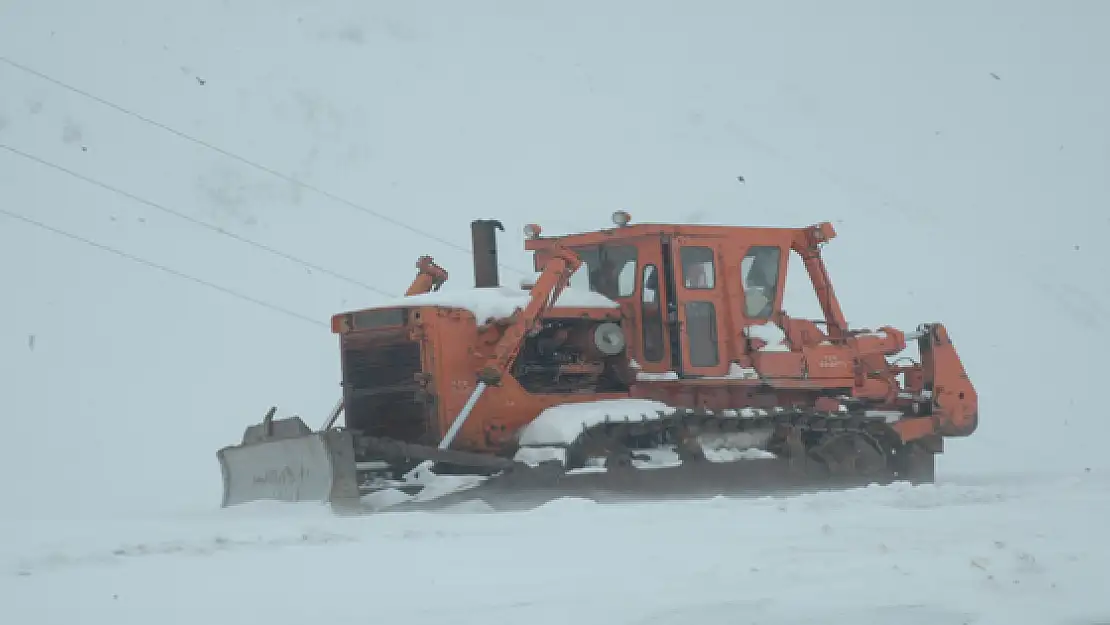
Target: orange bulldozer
[[644, 361]]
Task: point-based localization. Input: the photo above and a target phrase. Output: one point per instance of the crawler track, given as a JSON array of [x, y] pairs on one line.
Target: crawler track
[[612, 461]]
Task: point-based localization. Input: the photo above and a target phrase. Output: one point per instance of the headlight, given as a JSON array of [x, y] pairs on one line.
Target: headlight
[[609, 339]]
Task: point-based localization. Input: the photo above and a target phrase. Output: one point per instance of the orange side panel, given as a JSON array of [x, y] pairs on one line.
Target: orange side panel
[[828, 361], [779, 364]]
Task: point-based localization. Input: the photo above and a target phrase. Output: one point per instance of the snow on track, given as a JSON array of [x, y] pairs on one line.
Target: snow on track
[[561, 425]]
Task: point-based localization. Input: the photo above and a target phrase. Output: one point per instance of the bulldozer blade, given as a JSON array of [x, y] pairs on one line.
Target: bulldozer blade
[[285, 461]]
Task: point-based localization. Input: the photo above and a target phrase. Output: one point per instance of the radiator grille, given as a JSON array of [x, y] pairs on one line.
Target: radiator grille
[[382, 395], [377, 366]]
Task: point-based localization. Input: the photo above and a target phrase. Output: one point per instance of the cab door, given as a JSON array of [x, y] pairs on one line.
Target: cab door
[[654, 344], [698, 305]]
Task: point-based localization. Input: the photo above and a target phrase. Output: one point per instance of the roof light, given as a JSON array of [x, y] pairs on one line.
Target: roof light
[[621, 218], [532, 231]]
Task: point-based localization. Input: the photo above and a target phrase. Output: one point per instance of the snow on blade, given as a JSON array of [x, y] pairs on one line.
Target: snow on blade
[[561, 425], [487, 303]]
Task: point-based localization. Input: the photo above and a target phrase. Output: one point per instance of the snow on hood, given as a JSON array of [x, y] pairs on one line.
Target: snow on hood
[[496, 302]]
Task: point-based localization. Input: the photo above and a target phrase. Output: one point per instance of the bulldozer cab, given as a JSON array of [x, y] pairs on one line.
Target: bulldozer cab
[[688, 292], [712, 286]]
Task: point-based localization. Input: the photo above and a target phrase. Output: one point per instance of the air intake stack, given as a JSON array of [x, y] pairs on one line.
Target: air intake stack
[[483, 233]]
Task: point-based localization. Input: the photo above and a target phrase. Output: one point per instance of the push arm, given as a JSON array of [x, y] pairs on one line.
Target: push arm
[[556, 274], [808, 245]]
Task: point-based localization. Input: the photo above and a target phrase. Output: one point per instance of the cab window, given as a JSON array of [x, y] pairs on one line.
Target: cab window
[[697, 267], [652, 316], [606, 269], [760, 272]]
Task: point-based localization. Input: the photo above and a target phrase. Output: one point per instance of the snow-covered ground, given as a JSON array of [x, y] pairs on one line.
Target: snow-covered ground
[[960, 149], [955, 553]]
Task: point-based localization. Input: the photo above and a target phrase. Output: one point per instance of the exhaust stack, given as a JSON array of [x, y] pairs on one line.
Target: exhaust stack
[[483, 234]]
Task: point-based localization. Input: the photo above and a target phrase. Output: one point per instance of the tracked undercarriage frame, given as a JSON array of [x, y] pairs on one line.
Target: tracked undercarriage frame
[[730, 452]]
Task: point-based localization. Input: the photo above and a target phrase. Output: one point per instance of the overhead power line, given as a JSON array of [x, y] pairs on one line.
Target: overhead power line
[[193, 220], [85, 94], [173, 272]]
